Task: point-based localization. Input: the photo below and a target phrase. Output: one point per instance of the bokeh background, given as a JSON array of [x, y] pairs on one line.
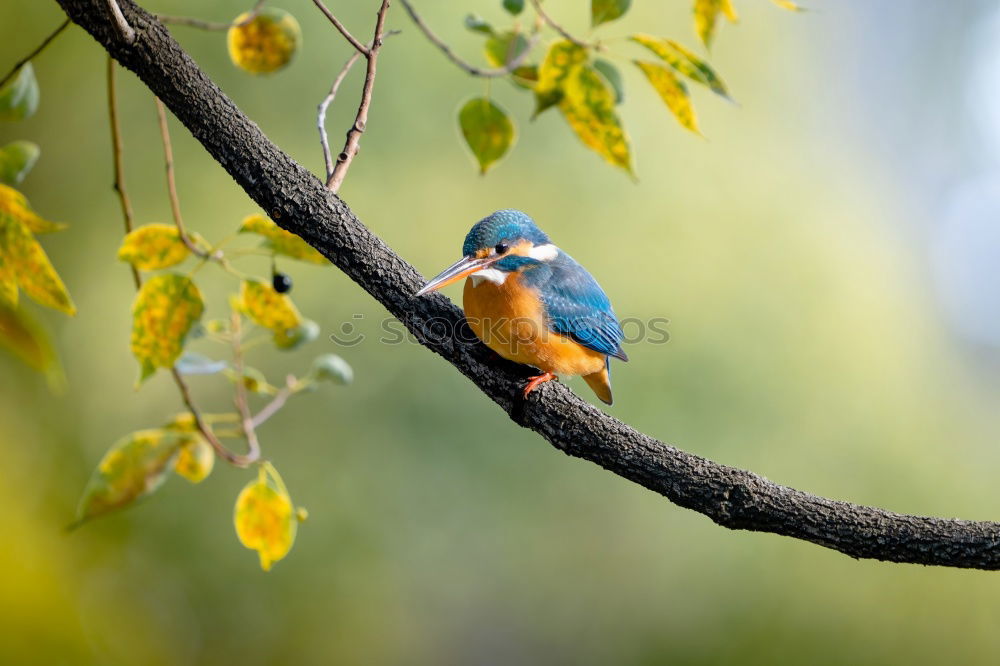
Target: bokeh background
[[827, 259]]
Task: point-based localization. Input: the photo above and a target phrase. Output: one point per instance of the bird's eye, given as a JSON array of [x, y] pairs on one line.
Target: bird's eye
[[501, 248]]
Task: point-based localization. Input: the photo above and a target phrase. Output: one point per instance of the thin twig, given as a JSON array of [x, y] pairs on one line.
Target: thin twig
[[346, 156], [175, 203], [558, 28], [488, 73], [206, 432], [211, 25], [41, 47], [277, 402], [116, 149], [124, 29], [242, 406], [362, 49], [321, 114]]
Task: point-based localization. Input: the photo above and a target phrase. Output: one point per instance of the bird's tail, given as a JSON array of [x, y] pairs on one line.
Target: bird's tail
[[600, 383]]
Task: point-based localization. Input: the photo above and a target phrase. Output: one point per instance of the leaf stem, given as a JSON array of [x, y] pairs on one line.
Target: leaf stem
[[38, 49], [211, 25]]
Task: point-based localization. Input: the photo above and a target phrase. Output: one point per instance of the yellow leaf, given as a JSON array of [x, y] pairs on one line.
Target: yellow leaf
[[20, 334], [153, 246], [684, 61], [265, 43], [133, 467], [163, 313], [588, 106], [264, 517], [14, 203], [560, 59], [281, 241], [8, 284], [267, 308], [25, 259], [672, 91], [195, 458], [789, 5], [706, 14]]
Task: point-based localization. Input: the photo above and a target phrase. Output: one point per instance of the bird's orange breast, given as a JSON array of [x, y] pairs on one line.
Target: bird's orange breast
[[510, 319]]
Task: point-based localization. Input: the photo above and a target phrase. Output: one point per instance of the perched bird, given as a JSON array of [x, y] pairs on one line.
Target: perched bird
[[530, 302]]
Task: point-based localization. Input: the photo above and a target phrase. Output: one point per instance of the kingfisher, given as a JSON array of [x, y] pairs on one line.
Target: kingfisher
[[532, 303]]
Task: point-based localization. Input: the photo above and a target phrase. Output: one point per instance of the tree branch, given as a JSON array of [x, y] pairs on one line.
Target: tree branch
[[298, 202], [41, 47], [557, 27], [341, 28], [509, 67], [125, 31]]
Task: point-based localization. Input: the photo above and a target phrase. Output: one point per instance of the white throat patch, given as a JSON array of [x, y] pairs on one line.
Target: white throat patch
[[490, 275]]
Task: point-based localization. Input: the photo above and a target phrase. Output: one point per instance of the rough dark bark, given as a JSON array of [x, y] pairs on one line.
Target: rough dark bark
[[298, 202]]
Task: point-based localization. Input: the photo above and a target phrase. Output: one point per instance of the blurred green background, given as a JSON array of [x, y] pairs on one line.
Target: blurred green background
[[826, 260]]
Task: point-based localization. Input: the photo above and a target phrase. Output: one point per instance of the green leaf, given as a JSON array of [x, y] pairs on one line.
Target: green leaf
[[332, 368], [134, 467], [163, 313], [478, 24], [613, 77], [672, 91], [514, 7], [501, 49], [19, 98], [602, 11], [153, 246], [525, 76], [281, 241], [706, 14], [16, 160], [588, 105], [294, 338], [561, 57], [488, 131], [23, 337], [684, 61], [25, 259]]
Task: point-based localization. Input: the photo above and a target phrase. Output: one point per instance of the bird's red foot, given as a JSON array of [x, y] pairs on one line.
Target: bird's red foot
[[535, 381]]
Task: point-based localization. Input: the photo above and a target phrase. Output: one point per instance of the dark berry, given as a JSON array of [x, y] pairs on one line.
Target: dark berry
[[282, 283]]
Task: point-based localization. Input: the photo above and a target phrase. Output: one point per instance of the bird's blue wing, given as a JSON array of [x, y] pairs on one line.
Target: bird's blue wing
[[577, 306]]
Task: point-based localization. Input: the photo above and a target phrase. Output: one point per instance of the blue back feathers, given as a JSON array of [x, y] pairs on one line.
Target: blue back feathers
[[502, 225]]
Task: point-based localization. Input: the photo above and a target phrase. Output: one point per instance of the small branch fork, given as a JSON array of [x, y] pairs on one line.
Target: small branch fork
[[558, 28], [336, 172], [124, 29], [483, 72]]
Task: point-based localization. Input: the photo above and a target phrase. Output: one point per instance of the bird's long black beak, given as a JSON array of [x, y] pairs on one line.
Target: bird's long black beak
[[462, 268]]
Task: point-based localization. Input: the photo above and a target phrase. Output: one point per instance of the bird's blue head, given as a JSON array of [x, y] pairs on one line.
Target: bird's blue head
[[506, 241]]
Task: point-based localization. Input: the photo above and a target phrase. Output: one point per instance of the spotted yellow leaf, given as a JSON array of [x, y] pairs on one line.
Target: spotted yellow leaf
[[264, 43], [559, 60], [267, 308], [8, 284], [684, 61], [265, 518], [588, 105], [195, 458], [14, 203], [163, 313], [672, 91], [133, 467], [26, 261], [706, 14], [281, 241], [153, 246], [23, 337]]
